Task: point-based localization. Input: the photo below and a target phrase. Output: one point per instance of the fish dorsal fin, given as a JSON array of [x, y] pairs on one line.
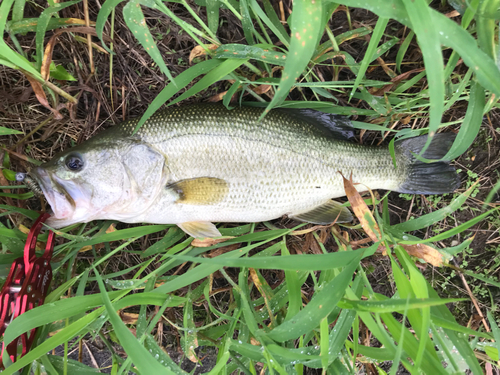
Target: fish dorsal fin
[[200, 229], [199, 191], [331, 125], [325, 214]]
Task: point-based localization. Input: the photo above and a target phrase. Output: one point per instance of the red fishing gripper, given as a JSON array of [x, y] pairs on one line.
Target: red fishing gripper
[[26, 288]]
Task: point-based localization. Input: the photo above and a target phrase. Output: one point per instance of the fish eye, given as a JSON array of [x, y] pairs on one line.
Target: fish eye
[[74, 162]]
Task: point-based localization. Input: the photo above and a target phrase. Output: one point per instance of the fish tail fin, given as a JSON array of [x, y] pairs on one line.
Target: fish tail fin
[[427, 178]]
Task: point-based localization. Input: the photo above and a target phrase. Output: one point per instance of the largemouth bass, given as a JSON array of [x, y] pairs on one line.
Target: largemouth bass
[[200, 164]]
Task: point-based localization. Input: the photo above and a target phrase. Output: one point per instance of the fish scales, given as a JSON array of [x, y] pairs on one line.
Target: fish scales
[[205, 164], [275, 167]]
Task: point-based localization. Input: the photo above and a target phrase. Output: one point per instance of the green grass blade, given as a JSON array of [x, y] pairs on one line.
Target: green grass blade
[[5, 7], [428, 39], [471, 124], [246, 22], [378, 32], [104, 12], [18, 10], [494, 329], [242, 51], [134, 18], [283, 36], [394, 305], [181, 81], [293, 285], [486, 27], [41, 27], [432, 218], [305, 29], [213, 15], [27, 25], [152, 346], [491, 194], [450, 34], [141, 357], [203, 270], [458, 229], [300, 262], [454, 326], [402, 50], [318, 308], [214, 75], [461, 344]]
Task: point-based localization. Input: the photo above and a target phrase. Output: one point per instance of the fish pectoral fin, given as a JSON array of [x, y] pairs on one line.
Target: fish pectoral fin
[[200, 229], [327, 213], [200, 191]]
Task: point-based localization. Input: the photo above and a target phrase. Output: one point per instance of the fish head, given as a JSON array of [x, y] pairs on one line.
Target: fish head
[[110, 179]]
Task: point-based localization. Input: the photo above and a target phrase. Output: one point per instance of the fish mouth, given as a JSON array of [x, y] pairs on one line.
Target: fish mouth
[[65, 197]]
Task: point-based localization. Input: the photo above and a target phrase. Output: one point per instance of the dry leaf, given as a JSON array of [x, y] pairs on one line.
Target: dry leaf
[[206, 242], [201, 51], [361, 210], [312, 229], [111, 228], [425, 252], [128, 318], [85, 248], [394, 81], [254, 342], [217, 97], [42, 98], [222, 250], [47, 56], [261, 89]]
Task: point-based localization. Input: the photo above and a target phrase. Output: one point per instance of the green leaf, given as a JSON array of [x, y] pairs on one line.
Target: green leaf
[[427, 220], [278, 31], [60, 73], [305, 29], [181, 81], [43, 23], [299, 262], [72, 367], [449, 34], [402, 50], [140, 356], [242, 51], [458, 229], [428, 39], [320, 306], [134, 18], [486, 27], [7, 131], [104, 12], [213, 15], [378, 32], [151, 345], [216, 74], [471, 124]]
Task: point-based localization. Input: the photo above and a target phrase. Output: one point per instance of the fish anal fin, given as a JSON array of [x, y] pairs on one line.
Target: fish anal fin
[[324, 214], [200, 191], [200, 229]]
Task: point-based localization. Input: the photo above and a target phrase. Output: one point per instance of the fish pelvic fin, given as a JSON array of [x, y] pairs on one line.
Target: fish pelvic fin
[[200, 229], [325, 214], [428, 178], [200, 191]]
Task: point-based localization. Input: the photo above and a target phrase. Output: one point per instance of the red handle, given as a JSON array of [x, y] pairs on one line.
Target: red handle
[[26, 287]]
